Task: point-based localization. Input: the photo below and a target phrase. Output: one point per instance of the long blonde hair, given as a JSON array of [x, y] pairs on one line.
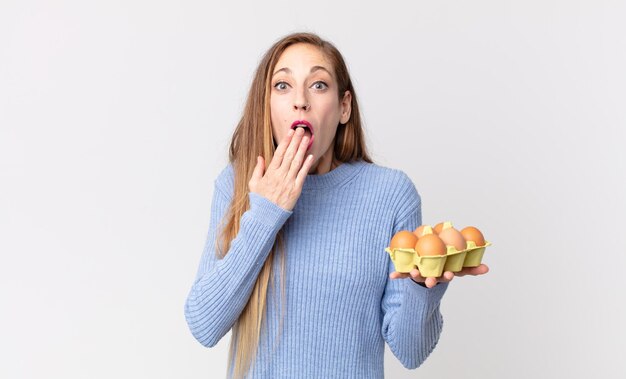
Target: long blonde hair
[[253, 137]]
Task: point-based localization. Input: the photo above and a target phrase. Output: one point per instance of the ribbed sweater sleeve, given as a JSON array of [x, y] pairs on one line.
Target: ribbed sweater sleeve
[[412, 322], [223, 286]]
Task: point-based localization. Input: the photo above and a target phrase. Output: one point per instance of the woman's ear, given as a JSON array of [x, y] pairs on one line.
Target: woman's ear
[[346, 107]]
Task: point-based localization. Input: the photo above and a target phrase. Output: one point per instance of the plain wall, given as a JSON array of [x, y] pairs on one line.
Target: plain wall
[[115, 119]]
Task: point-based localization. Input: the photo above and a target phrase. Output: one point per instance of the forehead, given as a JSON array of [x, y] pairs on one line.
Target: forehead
[[303, 56]]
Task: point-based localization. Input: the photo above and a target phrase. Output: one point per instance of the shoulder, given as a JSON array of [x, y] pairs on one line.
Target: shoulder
[[384, 172], [393, 187], [395, 180]]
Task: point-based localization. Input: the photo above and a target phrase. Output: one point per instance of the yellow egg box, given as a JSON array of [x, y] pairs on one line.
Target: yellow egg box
[[405, 260]]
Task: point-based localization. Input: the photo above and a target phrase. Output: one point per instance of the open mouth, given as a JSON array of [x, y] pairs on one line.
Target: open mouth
[[308, 130]]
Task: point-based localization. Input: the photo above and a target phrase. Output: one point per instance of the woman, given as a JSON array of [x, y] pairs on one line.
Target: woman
[[301, 188]]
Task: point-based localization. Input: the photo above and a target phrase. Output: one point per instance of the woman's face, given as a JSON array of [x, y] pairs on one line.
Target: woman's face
[[304, 91]]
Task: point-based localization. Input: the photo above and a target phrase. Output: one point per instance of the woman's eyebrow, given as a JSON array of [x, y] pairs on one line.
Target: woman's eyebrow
[[284, 69], [313, 69], [317, 68]]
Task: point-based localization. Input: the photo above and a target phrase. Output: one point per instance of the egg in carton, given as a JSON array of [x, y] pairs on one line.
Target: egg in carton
[[476, 246], [402, 251], [455, 244], [431, 253]]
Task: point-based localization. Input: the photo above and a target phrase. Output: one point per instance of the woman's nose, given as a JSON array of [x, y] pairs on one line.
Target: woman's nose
[[304, 105]]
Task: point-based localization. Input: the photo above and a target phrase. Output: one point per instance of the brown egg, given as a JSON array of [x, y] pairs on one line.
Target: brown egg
[[403, 240], [453, 237], [471, 233], [437, 229], [421, 230], [430, 244]]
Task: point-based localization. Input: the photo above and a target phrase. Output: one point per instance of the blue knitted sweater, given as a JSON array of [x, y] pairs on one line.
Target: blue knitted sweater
[[341, 306]]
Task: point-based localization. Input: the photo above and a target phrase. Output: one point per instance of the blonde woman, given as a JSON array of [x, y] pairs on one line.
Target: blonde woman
[[294, 261]]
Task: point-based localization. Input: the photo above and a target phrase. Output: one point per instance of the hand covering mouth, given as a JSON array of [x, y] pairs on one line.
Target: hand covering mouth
[[308, 129]]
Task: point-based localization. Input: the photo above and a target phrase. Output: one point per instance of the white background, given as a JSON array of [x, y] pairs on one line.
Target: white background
[[115, 117]]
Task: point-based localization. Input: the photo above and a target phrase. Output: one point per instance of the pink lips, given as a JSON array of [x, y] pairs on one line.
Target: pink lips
[[308, 125]]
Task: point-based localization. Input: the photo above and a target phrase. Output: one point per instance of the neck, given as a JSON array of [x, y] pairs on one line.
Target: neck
[[325, 164]]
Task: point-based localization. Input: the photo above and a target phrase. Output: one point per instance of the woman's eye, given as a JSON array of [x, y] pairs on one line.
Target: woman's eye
[[280, 86], [320, 85]]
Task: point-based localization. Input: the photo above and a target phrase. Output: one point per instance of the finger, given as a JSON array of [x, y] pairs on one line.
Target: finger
[[415, 274], [479, 270], [304, 171], [280, 150], [398, 275], [431, 282], [292, 149], [298, 160], [448, 275]]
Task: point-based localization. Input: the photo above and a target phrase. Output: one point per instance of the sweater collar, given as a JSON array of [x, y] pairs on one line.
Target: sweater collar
[[334, 178]]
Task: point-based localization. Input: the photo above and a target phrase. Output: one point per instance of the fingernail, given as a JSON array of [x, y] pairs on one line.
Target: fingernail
[[290, 133]]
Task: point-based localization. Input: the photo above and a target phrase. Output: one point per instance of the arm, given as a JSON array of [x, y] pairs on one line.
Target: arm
[[412, 321], [223, 286]]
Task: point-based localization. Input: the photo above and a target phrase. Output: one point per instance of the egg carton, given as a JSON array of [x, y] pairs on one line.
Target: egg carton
[[474, 254], [405, 260]]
